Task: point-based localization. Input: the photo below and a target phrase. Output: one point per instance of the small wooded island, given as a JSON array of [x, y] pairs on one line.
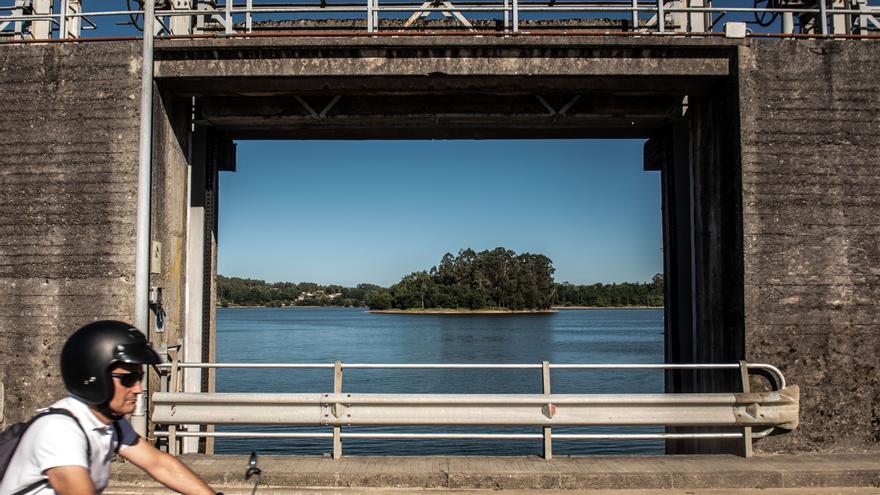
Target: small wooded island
[[487, 281], [497, 281]]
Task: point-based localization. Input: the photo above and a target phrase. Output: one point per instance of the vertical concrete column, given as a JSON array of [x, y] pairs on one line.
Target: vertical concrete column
[[678, 263], [211, 152], [678, 254], [214, 157], [42, 30], [181, 25], [170, 206], [74, 24], [698, 21], [195, 261]]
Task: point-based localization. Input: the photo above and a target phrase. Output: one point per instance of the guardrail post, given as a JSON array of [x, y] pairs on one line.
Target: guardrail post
[[172, 440], [337, 430], [375, 15], [228, 16], [249, 17], [174, 374], [787, 23], [635, 15], [62, 28], [746, 388], [515, 16], [548, 434], [661, 17]]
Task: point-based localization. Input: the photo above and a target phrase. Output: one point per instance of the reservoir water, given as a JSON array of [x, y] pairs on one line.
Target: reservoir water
[[323, 335]]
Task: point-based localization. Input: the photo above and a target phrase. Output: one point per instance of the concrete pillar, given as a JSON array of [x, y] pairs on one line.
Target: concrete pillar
[[171, 156], [703, 253], [678, 254], [74, 24], [42, 30], [195, 261], [698, 22], [211, 153], [181, 25], [842, 23]]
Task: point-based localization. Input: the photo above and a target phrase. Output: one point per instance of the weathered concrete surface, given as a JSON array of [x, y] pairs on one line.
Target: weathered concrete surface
[[811, 220], [524, 473], [810, 179], [168, 223], [68, 183], [132, 489], [440, 87], [430, 491]]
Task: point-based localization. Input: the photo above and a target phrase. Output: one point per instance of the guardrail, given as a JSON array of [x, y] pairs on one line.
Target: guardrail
[[777, 408], [66, 19]]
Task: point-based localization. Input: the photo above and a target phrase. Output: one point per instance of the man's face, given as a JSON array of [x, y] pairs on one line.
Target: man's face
[[124, 391]]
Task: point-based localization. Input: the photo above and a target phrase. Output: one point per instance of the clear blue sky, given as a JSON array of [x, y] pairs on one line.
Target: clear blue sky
[[346, 212]]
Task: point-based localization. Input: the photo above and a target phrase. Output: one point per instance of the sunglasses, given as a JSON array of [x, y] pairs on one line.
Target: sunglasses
[[129, 379]]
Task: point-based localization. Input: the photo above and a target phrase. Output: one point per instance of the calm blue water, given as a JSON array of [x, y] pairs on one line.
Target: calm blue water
[[323, 335]]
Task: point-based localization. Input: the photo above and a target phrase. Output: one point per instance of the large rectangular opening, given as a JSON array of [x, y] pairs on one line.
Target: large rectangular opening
[[327, 224], [676, 101]]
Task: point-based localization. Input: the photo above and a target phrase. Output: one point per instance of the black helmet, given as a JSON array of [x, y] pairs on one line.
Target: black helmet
[[92, 350]]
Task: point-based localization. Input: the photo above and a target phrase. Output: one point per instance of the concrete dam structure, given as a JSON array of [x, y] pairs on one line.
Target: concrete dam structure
[[768, 149]]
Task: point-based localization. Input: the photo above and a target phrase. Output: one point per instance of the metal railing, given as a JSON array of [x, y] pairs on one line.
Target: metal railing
[[66, 19], [777, 408]]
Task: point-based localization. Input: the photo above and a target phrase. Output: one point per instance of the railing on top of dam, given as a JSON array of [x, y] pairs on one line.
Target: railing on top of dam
[[70, 19], [176, 414]]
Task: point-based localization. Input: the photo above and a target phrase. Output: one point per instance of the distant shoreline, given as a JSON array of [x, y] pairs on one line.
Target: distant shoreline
[[553, 309], [457, 311], [606, 307]]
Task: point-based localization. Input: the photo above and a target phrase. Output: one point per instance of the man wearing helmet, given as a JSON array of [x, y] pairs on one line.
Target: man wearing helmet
[[102, 367]]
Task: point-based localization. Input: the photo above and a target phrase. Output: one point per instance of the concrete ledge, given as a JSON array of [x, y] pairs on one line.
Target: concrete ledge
[[529, 473]]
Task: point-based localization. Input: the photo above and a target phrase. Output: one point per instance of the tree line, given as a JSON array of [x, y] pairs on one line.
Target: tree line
[[237, 291], [497, 278], [619, 294]]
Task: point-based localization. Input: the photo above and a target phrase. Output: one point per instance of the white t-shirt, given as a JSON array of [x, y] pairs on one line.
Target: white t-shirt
[[55, 440]]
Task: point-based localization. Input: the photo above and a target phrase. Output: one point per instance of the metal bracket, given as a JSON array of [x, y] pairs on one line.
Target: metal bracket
[[552, 112], [338, 410], [317, 115], [432, 4], [751, 409]]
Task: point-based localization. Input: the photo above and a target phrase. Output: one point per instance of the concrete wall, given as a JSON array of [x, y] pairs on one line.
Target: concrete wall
[[68, 181], [811, 232], [168, 223], [810, 115]]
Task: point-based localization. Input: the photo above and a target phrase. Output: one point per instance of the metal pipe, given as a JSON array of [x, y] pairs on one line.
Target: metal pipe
[[778, 409], [773, 370], [635, 14], [611, 366], [661, 21], [229, 29], [823, 17], [236, 434], [142, 254], [457, 436], [62, 28], [249, 16], [515, 16]]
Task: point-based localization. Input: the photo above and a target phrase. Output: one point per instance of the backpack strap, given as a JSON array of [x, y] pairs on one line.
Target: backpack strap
[[65, 412], [118, 430]]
